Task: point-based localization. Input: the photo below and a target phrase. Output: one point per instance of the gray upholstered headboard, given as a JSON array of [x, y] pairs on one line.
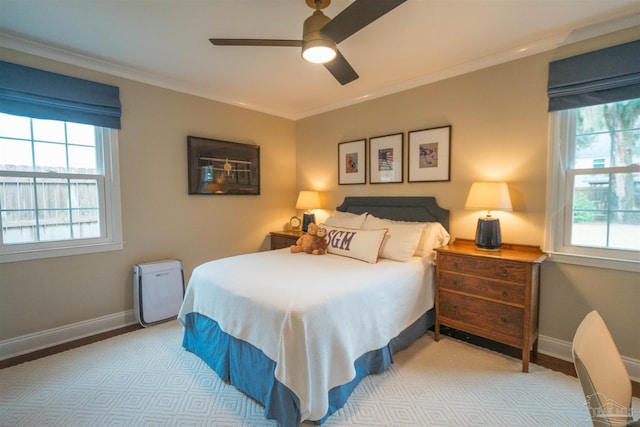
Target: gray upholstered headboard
[[423, 209]]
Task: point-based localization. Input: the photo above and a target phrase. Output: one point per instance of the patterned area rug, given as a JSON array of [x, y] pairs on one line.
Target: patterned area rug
[[145, 378]]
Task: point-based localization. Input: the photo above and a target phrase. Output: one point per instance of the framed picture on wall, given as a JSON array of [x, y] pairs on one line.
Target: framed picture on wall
[[220, 167], [385, 158], [430, 154], [352, 162]]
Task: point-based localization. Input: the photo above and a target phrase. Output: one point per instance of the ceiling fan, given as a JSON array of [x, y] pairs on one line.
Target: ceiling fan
[[321, 34]]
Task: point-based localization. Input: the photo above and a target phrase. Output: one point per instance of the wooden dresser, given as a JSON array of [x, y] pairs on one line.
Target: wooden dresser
[[284, 239], [492, 294]]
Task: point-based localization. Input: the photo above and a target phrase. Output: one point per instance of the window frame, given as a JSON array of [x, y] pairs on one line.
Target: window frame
[[559, 203], [110, 211]]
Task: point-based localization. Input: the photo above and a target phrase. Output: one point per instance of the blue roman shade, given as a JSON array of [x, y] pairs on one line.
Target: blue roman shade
[[599, 77], [26, 91]]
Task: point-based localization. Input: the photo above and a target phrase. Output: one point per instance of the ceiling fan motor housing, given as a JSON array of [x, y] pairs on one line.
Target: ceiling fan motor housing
[[311, 35]]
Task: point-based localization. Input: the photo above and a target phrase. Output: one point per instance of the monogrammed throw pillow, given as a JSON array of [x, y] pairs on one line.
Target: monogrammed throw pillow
[[355, 243]]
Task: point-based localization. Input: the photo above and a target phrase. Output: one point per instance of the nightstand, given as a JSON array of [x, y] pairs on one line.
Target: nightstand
[[492, 294], [284, 239]]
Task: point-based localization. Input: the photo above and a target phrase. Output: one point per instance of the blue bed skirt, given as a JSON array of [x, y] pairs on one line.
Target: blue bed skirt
[[251, 371]]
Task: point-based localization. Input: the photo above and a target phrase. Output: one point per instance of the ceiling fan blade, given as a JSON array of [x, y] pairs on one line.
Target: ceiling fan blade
[[256, 42], [341, 69], [356, 16]]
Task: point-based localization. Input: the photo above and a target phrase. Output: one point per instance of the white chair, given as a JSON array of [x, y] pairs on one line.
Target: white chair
[[604, 379]]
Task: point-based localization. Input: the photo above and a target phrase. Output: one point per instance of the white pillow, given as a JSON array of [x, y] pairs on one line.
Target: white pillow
[[355, 243], [402, 239], [346, 219], [434, 235]]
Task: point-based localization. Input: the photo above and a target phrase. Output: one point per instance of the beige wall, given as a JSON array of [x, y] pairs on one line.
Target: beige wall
[[499, 132], [160, 220], [488, 143]]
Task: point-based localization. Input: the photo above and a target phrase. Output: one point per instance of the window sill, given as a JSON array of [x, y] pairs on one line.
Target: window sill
[[590, 261], [58, 252]]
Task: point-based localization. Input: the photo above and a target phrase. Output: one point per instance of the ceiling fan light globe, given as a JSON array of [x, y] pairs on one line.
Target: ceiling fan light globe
[[318, 54]]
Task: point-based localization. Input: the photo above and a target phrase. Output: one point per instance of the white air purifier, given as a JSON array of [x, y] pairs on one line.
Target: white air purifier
[[158, 290]]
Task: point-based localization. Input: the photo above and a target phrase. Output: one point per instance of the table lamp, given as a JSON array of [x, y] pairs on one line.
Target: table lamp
[[489, 196], [307, 201]]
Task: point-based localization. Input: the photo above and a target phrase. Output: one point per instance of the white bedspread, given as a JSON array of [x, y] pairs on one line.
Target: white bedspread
[[313, 315]]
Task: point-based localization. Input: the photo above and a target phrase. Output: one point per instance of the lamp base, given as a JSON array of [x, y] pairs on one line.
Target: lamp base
[[307, 219], [488, 234]]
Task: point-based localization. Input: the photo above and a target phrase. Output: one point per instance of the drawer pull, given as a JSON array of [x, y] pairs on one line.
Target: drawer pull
[[502, 321], [455, 264], [504, 272], [454, 308], [505, 294]]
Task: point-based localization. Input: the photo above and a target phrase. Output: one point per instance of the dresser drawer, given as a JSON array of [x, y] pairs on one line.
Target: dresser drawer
[[502, 291], [279, 242], [481, 314], [495, 268]]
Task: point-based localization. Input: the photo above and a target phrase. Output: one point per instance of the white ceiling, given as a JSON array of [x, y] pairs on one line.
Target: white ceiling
[[165, 43]]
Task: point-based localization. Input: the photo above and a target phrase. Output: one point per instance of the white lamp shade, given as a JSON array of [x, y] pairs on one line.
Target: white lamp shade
[[308, 200], [490, 196]]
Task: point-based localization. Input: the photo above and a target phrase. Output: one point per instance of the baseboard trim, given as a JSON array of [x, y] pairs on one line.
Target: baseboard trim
[[562, 350], [37, 341]]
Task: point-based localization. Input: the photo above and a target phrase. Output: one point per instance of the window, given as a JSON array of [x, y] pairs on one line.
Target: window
[[59, 178], [593, 196], [59, 188], [594, 186]]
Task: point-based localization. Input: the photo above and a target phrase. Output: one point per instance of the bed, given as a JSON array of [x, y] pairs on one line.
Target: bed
[[298, 332]]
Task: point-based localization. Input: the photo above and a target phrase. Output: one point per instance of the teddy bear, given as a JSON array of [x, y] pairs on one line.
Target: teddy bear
[[311, 242], [319, 245]]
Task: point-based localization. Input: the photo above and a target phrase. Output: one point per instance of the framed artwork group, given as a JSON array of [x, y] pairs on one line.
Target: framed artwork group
[[428, 158]]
